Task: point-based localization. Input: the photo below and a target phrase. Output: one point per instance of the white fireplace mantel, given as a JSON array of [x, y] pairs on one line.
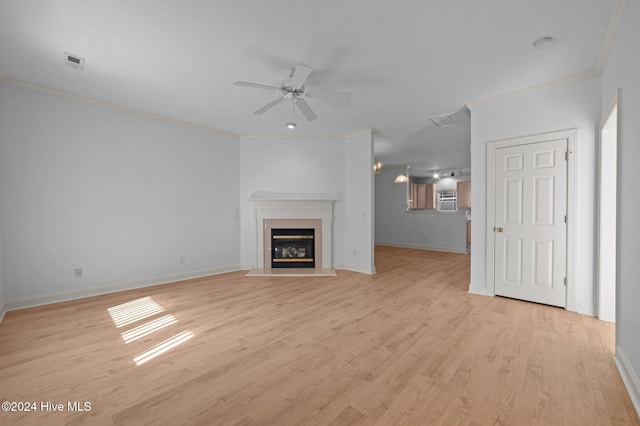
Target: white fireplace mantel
[[265, 208]]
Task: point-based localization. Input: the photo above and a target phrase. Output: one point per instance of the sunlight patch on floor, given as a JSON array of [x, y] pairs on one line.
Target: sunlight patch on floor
[[148, 328], [163, 347], [137, 310], [133, 311]]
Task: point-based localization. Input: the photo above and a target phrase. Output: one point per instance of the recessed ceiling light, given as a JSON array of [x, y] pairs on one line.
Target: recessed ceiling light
[[291, 125], [542, 42]]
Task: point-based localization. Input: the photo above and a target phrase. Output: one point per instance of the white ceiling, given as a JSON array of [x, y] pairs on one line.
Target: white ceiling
[[403, 61]]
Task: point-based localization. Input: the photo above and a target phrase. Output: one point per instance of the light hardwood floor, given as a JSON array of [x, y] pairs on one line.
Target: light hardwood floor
[[406, 346]]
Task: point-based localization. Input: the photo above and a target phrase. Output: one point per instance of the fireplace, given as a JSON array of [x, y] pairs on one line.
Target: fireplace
[[295, 214], [293, 248]]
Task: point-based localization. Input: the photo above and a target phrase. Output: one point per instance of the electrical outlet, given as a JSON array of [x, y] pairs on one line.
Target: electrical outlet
[[183, 260], [77, 273]]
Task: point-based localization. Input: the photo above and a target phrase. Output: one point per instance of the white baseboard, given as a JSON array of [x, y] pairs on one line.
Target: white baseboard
[[482, 291], [586, 309], [45, 299], [2, 310], [629, 377], [411, 246], [359, 269]]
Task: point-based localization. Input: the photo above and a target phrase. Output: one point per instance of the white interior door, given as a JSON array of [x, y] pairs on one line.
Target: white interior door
[[530, 228]]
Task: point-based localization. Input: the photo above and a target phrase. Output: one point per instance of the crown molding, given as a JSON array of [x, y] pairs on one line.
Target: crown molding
[[115, 107], [292, 137], [615, 20], [586, 75], [363, 132], [610, 35]]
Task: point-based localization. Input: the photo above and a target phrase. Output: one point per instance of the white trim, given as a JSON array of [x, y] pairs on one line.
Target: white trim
[[618, 200], [47, 298], [481, 291], [458, 212], [571, 135], [364, 132], [629, 377], [572, 226], [610, 35], [612, 106], [116, 107], [586, 75], [2, 310], [588, 309], [356, 269], [417, 247], [292, 137], [302, 137], [490, 217], [292, 208], [607, 44]]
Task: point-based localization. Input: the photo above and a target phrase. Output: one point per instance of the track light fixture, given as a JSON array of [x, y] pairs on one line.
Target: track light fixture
[[437, 174]]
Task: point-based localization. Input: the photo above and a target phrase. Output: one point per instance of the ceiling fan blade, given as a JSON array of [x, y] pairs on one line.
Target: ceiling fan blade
[[300, 75], [329, 94], [255, 85], [268, 106], [306, 110]]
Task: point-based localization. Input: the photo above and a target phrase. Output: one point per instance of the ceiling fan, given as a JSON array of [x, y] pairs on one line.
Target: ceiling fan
[[296, 91]]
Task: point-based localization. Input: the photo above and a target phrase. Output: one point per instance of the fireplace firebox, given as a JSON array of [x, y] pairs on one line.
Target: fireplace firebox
[[293, 248]]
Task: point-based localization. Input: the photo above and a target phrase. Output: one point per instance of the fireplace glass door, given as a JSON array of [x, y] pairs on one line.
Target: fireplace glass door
[[293, 248]]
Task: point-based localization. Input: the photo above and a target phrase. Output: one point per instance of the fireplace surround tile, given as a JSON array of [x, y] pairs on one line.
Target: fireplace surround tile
[[316, 213]]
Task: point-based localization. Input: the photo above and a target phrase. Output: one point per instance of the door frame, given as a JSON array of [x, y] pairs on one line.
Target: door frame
[[615, 104], [571, 135]]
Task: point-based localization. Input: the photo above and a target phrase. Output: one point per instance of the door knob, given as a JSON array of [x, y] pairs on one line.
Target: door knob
[[499, 229]]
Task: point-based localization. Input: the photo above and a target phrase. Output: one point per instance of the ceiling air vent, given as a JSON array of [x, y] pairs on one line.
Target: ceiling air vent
[[73, 61], [444, 120]]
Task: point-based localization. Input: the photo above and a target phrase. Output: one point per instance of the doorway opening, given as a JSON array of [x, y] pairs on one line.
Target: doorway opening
[[607, 213]]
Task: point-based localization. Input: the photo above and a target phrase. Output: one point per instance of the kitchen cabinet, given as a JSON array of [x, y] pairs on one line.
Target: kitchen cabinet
[[464, 194], [422, 196]]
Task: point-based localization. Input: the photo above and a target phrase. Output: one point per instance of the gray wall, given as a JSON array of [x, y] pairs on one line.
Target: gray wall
[[417, 228], [2, 311], [545, 109], [338, 168], [623, 71], [119, 195], [292, 168]]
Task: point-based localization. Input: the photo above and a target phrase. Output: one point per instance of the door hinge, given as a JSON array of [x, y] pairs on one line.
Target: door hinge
[[565, 219], [565, 281], [566, 155]]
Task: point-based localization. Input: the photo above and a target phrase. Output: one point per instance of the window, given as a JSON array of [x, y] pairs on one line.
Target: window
[[447, 201]]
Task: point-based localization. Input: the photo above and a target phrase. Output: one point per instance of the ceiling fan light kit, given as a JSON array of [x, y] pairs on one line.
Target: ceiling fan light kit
[[296, 91]]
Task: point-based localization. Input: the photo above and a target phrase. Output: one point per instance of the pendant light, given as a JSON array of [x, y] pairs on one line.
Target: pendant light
[[402, 178]]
